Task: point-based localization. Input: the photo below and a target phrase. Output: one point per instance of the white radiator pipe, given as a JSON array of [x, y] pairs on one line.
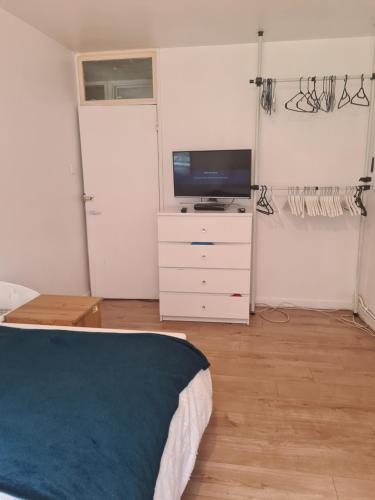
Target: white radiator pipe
[[254, 177], [368, 158]]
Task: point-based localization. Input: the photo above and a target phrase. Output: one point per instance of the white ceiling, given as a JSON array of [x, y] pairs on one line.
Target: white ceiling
[[85, 25]]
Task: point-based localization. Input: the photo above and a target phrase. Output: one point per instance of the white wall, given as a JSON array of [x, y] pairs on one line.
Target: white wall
[[41, 218], [206, 102]]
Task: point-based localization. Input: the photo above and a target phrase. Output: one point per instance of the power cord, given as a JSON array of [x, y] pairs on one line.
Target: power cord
[[346, 319], [277, 309]]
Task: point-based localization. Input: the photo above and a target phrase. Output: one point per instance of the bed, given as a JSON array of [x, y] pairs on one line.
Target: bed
[[176, 451]]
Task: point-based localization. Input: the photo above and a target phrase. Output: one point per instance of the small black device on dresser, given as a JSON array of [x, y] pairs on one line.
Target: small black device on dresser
[[216, 207]]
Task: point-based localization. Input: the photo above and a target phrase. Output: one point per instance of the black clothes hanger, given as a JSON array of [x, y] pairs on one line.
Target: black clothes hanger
[[314, 101], [360, 98], [332, 94], [267, 96], [306, 100], [345, 97], [323, 98], [358, 200], [295, 99], [328, 97], [263, 205]]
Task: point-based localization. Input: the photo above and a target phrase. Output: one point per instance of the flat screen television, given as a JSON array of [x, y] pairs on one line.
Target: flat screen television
[[212, 174]]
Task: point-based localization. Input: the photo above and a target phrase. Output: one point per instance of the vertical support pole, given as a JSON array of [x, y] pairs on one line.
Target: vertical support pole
[[368, 158], [255, 176]]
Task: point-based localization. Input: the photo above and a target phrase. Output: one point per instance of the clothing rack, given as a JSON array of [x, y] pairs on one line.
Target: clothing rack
[[258, 81], [268, 106], [326, 201]]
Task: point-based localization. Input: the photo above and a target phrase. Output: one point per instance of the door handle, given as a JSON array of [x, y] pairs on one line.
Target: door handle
[[95, 212]]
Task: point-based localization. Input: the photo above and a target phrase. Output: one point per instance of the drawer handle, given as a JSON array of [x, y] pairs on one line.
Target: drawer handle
[[204, 256], [203, 307], [204, 282], [204, 229]]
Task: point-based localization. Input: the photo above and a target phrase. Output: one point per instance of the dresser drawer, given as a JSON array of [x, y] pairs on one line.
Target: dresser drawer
[[204, 280], [201, 305], [234, 228], [204, 256]]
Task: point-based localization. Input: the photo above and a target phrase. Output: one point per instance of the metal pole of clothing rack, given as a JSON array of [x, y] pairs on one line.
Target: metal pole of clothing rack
[[367, 172], [258, 81], [254, 179], [366, 187]]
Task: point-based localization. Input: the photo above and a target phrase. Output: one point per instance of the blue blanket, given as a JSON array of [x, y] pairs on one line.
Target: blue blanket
[[86, 415]]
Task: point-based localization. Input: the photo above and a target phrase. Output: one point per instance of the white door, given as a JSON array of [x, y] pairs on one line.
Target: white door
[[120, 171]]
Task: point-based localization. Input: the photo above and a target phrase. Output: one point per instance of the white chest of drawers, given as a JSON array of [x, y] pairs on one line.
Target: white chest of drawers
[[204, 266]]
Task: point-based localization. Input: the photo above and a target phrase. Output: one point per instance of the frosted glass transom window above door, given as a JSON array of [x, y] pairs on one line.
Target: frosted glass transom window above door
[[113, 78]]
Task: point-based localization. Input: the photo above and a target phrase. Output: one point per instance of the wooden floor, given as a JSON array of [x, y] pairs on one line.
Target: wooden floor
[[294, 406]]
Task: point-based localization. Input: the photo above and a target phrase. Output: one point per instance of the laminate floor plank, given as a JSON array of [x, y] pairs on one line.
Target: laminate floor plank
[[354, 489], [211, 479]]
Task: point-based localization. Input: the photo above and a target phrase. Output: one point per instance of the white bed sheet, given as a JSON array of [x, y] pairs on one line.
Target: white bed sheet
[[185, 431]]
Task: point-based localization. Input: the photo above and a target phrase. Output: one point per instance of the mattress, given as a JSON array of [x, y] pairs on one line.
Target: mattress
[[185, 431]]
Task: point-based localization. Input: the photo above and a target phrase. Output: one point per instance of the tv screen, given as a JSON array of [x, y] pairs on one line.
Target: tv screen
[[212, 174]]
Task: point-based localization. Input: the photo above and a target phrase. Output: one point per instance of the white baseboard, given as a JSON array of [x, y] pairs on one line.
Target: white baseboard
[[365, 316], [300, 302]]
